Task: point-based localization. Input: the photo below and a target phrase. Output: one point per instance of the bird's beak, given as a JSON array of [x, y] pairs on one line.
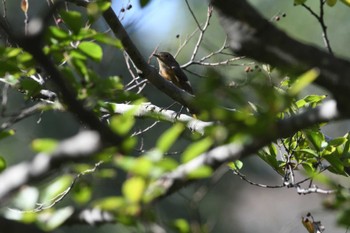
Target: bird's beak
[[156, 55]]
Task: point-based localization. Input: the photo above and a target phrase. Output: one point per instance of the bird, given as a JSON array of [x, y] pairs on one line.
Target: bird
[[170, 70]]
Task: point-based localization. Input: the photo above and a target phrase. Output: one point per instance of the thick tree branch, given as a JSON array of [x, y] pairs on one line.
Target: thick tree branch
[[249, 34], [150, 110], [145, 70], [79, 147], [214, 158]]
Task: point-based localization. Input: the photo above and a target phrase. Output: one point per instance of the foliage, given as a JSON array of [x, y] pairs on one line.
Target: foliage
[[77, 49]]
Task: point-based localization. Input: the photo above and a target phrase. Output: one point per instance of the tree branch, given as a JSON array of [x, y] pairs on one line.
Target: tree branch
[[143, 69], [178, 178], [150, 110], [249, 34], [79, 147], [33, 44]]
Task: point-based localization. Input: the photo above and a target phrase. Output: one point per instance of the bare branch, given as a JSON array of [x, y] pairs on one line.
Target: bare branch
[[314, 189], [23, 114], [320, 19], [193, 15], [202, 31]]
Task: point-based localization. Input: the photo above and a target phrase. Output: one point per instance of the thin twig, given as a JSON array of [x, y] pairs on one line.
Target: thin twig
[[202, 31], [320, 19], [141, 131], [243, 177], [23, 114], [58, 198], [186, 41], [193, 15]]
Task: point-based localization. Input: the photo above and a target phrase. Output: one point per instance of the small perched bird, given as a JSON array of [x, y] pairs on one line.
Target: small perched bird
[[171, 71]]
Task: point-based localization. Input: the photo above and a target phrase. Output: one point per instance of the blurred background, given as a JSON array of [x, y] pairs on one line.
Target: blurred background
[[230, 204]]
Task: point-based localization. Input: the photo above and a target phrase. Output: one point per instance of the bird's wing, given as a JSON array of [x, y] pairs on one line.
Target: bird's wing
[[182, 80]]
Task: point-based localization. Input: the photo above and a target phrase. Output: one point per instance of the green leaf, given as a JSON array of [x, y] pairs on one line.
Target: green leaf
[[316, 138], [168, 138], [236, 165], [91, 49], [303, 81], [181, 225], [196, 149], [56, 187], [6, 133], [94, 9], [346, 2], [331, 2], [346, 148], [58, 33], [338, 141], [310, 100], [337, 165], [200, 173], [127, 163], [44, 145], [73, 20], [106, 173], [313, 153], [309, 168], [2, 164], [110, 203], [142, 167], [134, 188], [269, 155], [82, 192], [13, 52], [167, 164], [106, 39], [80, 66], [122, 124]]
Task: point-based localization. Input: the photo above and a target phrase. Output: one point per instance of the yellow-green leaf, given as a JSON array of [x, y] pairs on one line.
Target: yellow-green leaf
[[200, 173], [331, 2], [303, 81], [6, 133], [236, 165], [346, 2], [168, 138], [56, 188], [122, 124], [91, 49], [196, 149], [110, 203], [181, 225], [134, 188], [2, 164], [44, 145]]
